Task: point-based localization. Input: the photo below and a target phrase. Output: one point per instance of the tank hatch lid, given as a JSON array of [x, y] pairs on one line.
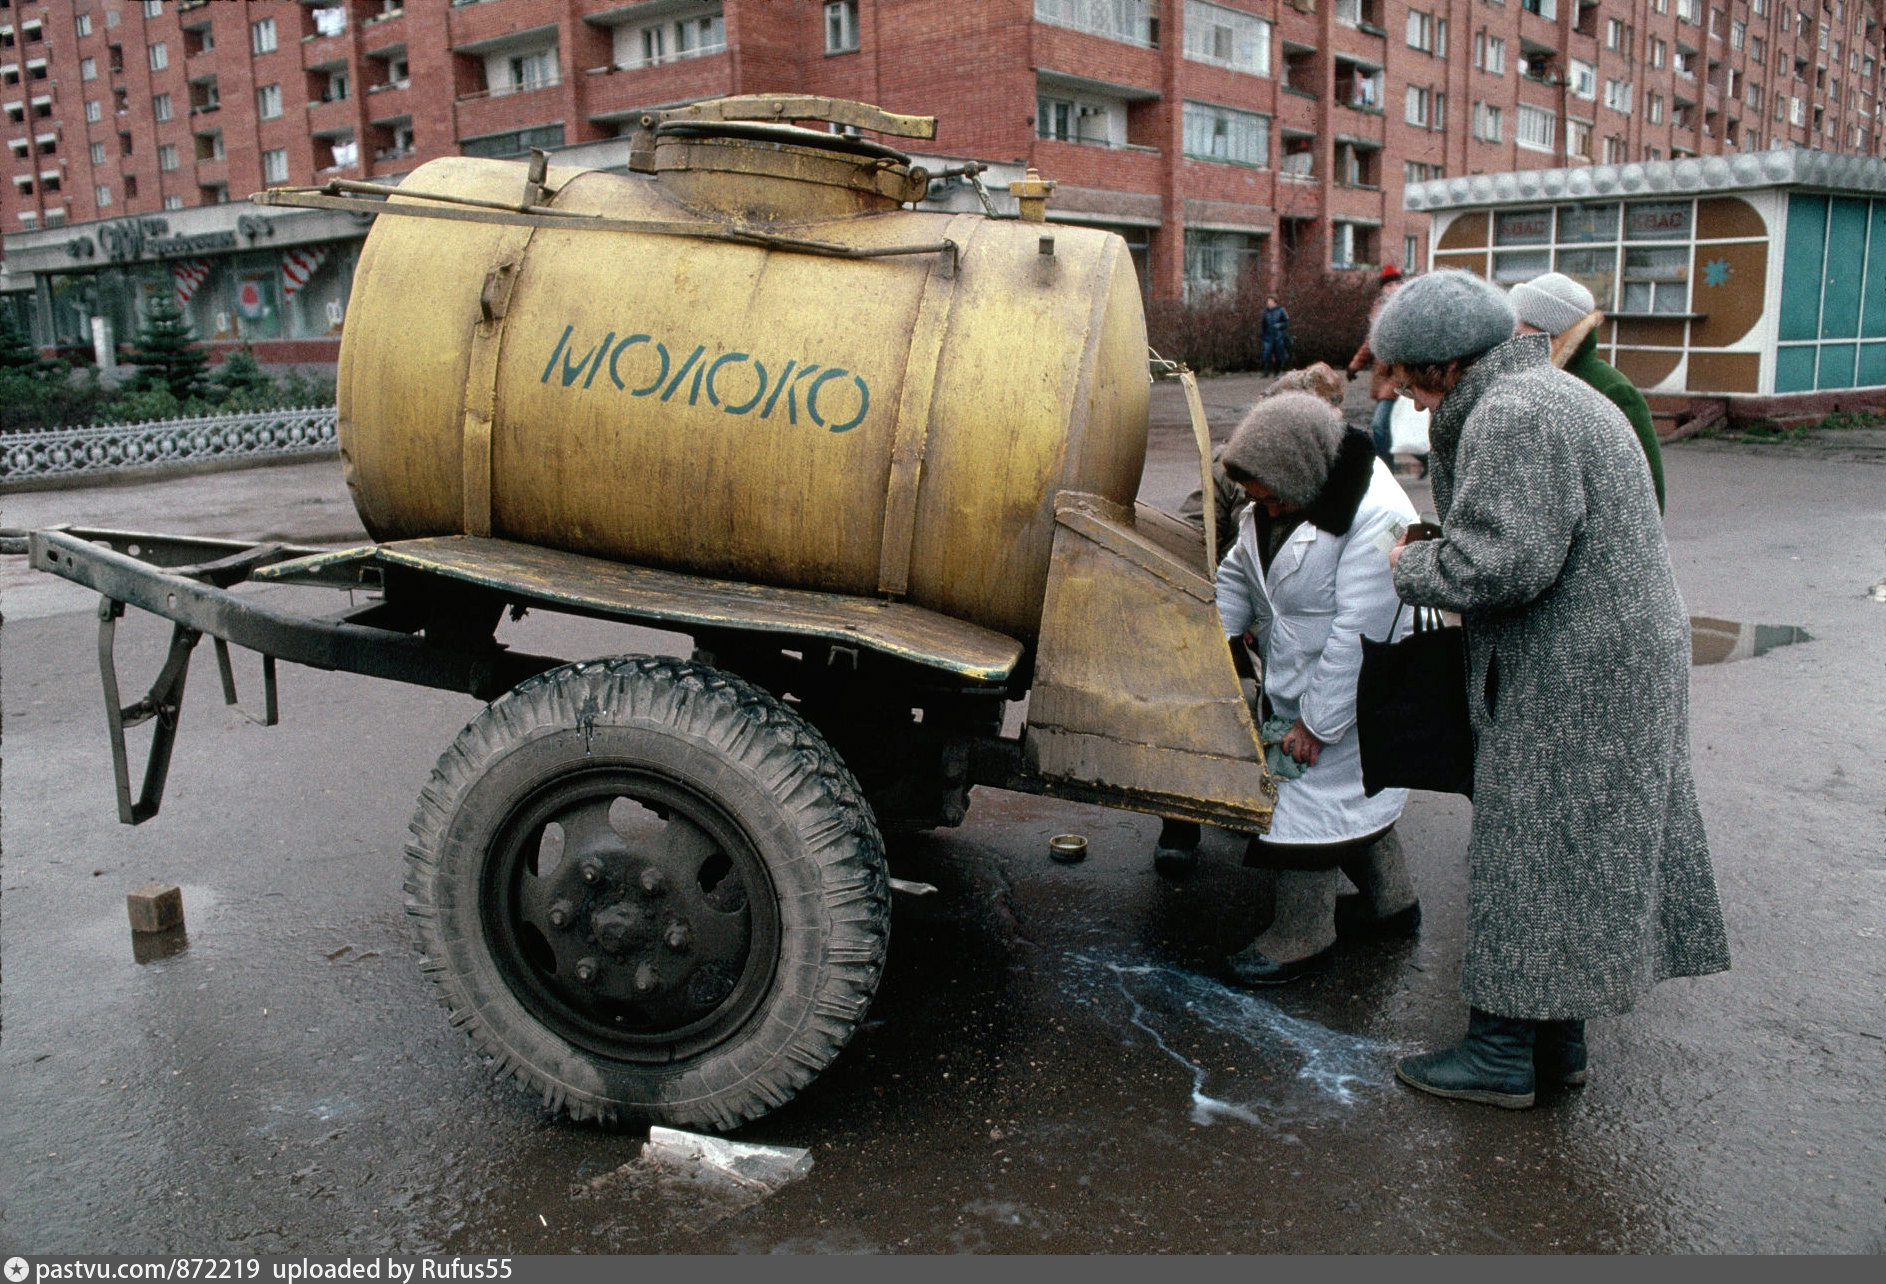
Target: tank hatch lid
[[792, 135], [554, 580]]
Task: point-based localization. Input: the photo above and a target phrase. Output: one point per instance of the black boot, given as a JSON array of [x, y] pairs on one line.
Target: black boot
[[1492, 1065], [1558, 1054], [1176, 855]]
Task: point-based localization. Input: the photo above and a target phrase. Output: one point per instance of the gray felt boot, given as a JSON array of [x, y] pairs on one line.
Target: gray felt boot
[[1301, 935], [1386, 904]]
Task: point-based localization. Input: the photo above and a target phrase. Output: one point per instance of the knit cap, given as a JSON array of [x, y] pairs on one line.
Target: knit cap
[[1553, 302], [1319, 380], [1288, 443], [1440, 317]]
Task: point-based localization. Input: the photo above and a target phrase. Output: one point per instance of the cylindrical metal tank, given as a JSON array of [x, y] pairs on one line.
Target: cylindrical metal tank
[[895, 425]]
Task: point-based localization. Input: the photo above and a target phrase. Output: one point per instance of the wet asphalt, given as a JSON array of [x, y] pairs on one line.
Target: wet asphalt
[[1051, 1063]]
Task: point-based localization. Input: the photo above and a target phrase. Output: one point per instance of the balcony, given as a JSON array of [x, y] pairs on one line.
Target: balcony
[[613, 93], [328, 117]]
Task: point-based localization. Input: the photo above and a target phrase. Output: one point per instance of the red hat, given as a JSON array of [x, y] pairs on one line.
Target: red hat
[[1390, 273]]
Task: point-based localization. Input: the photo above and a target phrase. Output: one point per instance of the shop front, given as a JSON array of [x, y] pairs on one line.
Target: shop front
[[275, 282], [1757, 275]]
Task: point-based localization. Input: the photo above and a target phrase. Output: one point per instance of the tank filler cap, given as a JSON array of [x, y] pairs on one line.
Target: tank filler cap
[[789, 135]]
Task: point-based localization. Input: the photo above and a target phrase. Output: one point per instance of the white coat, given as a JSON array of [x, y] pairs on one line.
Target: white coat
[[1323, 594]]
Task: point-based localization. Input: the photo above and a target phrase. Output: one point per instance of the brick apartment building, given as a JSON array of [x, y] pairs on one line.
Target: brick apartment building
[[1215, 135]]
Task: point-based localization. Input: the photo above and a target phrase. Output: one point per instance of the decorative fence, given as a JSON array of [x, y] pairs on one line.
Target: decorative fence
[[131, 447]]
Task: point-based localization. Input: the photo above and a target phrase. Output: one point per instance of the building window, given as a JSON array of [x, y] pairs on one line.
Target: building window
[[1547, 9], [167, 156], [841, 27], [1226, 134], [1428, 33], [153, 8], [1351, 245], [98, 153], [516, 143], [275, 165], [1685, 62], [268, 102], [93, 112], [1418, 109], [1577, 140], [1613, 150], [1738, 34], [330, 21], [511, 72], [1489, 53], [209, 147], [1797, 111], [1617, 95], [1411, 252], [160, 107], [1358, 85], [1690, 11], [1486, 122], [1653, 109], [83, 24], [1617, 36], [1098, 122], [1584, 80], [1132, 21], [1536, 129], [173, 202], [1754, 97], [1216, 262], [1757, 50], [262, 36], [691, 35], [88, 69], [1659, 52], [1227, 38], [101, 196], [160, 56]]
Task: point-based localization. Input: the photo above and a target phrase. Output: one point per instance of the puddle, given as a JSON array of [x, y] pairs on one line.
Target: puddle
[[1714, 641], [1177, 1008]]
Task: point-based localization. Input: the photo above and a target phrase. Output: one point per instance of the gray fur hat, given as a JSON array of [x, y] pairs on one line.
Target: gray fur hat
[[1553, 302], [1440, 317], [1288, 443]]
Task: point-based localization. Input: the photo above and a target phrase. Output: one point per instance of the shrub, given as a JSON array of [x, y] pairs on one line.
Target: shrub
[[165, 354], [1219, 332]]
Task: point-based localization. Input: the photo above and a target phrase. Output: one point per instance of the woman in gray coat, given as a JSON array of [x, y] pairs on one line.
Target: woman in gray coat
[[1588, 870]]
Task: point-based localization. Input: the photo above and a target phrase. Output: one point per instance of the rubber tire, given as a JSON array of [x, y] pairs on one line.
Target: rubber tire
[[780, 782]]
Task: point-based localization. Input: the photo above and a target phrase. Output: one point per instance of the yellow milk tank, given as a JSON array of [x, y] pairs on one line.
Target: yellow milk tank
[[894, 425]]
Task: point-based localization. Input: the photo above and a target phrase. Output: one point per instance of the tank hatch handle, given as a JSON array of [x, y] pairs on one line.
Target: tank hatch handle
[[785, 108]]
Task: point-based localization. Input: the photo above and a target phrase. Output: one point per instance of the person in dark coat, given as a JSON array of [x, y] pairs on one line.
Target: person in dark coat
[[1589, 879], [1274, 337], [1558, 306]]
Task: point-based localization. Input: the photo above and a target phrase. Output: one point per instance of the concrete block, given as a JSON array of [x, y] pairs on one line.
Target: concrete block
[[155, 907]]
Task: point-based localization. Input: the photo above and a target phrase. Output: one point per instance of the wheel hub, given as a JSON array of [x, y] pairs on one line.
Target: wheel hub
[[629, 913]]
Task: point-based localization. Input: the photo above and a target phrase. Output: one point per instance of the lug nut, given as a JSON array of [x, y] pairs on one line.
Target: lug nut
[[652, 882], [561, 913], [586, 970], [678, 937], [592, 872], [644, 979]]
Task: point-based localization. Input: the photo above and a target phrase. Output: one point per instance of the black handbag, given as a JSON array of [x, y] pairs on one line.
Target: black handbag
[[1411, 709]]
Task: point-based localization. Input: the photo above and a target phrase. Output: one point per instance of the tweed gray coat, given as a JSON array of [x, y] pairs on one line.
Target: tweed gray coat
[[1589, 878]]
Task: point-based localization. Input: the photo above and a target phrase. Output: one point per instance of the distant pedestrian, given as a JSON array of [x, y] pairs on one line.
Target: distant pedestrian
[[1381, 387], [1588, 872], [1555, 304], [1274, 338]]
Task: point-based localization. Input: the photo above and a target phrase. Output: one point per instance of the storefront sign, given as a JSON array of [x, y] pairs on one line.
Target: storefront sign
[[1660, 222], [130, 240]]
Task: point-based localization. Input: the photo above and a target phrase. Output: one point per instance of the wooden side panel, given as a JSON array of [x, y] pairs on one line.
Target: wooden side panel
[[1134, 692]]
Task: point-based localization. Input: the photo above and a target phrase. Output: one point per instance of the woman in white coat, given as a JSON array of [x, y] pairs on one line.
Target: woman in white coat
[[1309, 578]]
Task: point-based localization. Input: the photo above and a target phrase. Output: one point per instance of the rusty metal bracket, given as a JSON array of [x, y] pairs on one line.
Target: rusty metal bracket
[[271, 708], [163, 705]]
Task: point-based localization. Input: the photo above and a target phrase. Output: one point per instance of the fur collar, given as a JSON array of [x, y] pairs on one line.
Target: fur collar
[[1350, 475], [1565, 346]]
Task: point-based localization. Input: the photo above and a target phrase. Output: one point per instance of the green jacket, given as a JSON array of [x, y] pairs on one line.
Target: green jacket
[[1609, 380]]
